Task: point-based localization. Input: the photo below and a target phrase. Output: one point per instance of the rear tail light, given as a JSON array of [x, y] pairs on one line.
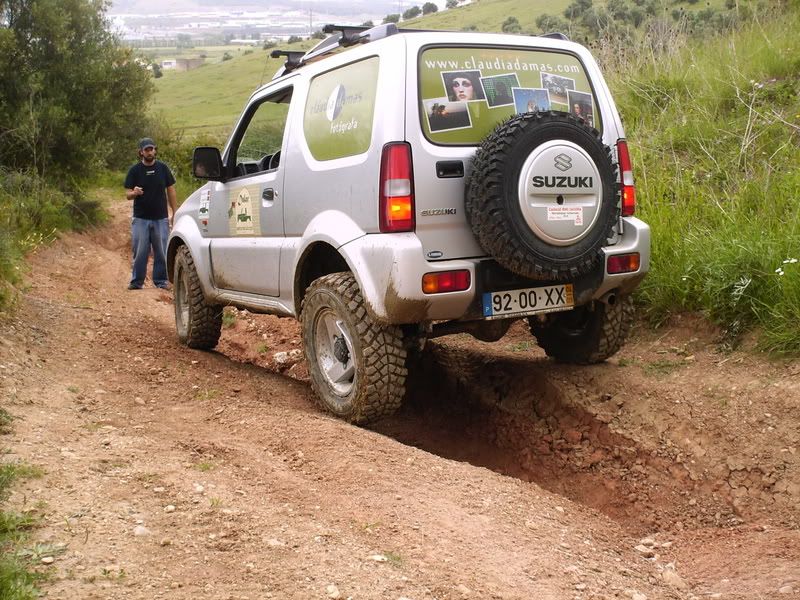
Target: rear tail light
[[628, 189], [623, 263], [446, 281], [396, 203]]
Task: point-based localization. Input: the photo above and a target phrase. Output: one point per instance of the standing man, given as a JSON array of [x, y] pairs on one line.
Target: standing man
[[151, 186]]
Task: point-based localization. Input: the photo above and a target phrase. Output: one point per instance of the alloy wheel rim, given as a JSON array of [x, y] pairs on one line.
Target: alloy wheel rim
[[334, 352]]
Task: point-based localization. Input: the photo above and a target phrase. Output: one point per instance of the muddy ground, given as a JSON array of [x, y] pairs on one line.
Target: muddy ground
[[671, 471]]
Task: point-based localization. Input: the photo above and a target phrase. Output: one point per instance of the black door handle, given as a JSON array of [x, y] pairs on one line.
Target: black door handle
[[447, 169], [268, 194]]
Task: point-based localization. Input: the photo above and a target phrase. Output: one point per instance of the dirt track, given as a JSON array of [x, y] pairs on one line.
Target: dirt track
[[173, 473]]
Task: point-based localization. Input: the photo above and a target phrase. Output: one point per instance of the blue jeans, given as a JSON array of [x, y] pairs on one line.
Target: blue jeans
[[147, 233]]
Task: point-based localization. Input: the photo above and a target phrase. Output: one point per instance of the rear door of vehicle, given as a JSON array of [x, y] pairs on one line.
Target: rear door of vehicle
[[461, 92]]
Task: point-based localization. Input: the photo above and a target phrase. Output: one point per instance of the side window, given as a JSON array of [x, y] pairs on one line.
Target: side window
[[259, 146]]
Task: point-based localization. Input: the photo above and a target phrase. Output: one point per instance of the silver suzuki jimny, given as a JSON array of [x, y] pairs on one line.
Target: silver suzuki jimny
[[390, 186]]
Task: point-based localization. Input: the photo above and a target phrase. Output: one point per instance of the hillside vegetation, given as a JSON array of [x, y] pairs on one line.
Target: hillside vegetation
[[715, 127], [54, 140]]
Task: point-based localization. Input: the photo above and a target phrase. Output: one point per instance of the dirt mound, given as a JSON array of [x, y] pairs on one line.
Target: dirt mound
[[669, 472]]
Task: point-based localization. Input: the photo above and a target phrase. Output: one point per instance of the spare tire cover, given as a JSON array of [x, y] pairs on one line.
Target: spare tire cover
[[542, 197]]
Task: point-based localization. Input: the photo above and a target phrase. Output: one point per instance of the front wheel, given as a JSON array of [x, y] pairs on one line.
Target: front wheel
[[198, 323], [357, 365], [587, 334]]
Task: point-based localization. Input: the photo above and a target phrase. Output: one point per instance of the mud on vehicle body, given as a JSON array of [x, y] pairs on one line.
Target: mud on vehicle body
[[413, 186]]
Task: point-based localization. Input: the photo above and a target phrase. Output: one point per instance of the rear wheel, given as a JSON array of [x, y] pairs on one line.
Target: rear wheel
[[357, 366], [587, 334], [198, 323]]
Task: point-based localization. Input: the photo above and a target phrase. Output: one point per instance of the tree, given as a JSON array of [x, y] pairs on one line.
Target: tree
[[577, 8], [156, 68], [451, 4], [392, 18], [412, 12], [293, 39], [72, 98], [511, 25], [429, 8], [550, 23], [368, 24], [184, 41]]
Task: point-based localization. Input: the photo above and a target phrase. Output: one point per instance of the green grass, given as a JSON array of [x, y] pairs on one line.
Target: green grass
[[213, 54], [17, 578], [488, 15], [714, 130], [208, 99], [6, 419], [229, 317]]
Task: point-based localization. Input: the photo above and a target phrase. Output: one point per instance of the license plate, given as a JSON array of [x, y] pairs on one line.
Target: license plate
[[530, 301]]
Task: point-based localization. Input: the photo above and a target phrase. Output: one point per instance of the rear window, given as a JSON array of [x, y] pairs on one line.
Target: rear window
[[466, 92]]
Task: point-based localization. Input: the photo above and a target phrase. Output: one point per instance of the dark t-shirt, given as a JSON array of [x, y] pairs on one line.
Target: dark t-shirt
[[154, 180]]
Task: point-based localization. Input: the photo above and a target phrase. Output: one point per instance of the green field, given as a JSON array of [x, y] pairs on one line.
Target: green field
[[212, 54], [488, 15], [208, 99]]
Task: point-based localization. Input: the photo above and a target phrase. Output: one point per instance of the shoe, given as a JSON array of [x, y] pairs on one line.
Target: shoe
[[133, 286], [164, 286]]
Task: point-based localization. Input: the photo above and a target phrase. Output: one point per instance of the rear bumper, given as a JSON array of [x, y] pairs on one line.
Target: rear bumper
[[390, 267]]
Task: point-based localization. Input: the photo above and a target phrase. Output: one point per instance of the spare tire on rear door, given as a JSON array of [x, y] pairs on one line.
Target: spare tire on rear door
[[542, 197]]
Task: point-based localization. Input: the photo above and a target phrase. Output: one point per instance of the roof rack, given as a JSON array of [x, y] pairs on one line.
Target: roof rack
[[293, 58], [344, 36], [554, 35]]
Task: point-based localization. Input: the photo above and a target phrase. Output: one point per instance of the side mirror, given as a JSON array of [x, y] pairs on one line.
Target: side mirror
[[207, 163]]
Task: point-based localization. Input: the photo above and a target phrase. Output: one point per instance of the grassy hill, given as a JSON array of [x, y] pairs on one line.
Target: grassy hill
[[208, 99], [488, 15]]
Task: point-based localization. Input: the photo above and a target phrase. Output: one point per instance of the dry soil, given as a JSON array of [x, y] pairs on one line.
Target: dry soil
[[671, 471]]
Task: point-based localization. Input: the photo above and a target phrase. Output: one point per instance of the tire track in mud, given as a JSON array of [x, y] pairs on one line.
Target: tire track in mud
[[518, 417]]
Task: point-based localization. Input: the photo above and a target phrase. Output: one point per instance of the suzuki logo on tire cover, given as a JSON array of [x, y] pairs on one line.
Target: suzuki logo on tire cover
[[563, 162]]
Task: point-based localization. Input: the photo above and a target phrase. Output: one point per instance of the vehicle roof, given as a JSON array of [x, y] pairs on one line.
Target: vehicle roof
[[345, 41]]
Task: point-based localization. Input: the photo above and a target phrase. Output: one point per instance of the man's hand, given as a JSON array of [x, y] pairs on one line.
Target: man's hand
[[130, 194]]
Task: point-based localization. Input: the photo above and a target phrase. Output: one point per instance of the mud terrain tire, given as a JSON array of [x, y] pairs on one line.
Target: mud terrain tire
[[357, 365], [198, 323], [508, 231], [586, 335]]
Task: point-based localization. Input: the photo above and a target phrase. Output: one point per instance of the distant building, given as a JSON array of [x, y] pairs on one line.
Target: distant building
[[182, 64]]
